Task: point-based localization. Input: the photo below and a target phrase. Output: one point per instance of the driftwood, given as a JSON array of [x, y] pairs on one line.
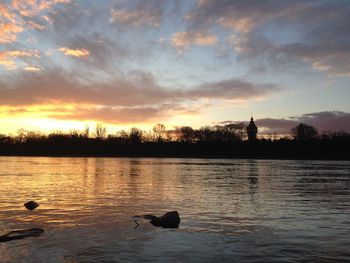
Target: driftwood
[[20, 234]]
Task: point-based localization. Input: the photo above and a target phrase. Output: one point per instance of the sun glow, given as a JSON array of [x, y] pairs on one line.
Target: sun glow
[[38, 118]]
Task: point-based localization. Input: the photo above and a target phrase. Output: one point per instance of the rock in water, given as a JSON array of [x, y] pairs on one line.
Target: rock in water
[[31, 205], [168, 220], [20, 234]]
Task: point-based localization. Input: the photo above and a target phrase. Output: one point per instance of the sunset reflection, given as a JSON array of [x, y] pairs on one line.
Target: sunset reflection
[[88, 200]]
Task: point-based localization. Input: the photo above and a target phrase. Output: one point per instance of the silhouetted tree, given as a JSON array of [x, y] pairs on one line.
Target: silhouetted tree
[[159, 132], [100, 131], [75, 133], [86, 132], [206, 134], [122, 137], [21, 135], [207, 141], [238, 130], [304, 132], [185, 134], [135, 135], [34, 136]]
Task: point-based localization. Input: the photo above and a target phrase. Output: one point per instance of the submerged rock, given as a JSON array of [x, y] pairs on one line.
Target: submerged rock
[[20, 234], [168, 220], [31, 205]]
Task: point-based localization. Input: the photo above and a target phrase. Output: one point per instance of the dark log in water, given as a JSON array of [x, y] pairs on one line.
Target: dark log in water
[[20, 234]]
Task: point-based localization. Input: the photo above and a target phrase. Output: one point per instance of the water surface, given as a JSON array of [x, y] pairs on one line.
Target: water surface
[[231, 210]]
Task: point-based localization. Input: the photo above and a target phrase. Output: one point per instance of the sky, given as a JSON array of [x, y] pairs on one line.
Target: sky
[[68, 64]]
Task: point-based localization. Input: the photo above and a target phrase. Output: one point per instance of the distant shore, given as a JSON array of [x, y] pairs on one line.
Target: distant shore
[[187, 155], [325, 147]]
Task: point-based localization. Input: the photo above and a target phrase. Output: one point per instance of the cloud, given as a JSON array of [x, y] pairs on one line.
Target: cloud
[[111, 48], [279, 126], [8, 32], [57, 85], [8, 64], [22, 15], [138, 13], [32, 7], [134, 97], [20, 53], [7, 58], [114, 115], [81, 53], [233, 89], [186, 39], [104, 54], [124, 115], [282, 32], [323, 121], [241, 25], [241, 16], [105, 114], [327, 120], [135, 17], [118, 43], [137, 89], [32, 68]]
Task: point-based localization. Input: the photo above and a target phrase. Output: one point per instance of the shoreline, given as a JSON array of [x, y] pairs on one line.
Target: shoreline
[[185, 156]]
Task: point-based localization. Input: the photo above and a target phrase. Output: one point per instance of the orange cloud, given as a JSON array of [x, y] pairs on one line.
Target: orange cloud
[[139, 90], [30, 7], [14, 17], [241, 25], [7, 57], [74, 52], [8, 32], [48, 4], [34, 25], [5, 13], [20, 53], [185, 39]]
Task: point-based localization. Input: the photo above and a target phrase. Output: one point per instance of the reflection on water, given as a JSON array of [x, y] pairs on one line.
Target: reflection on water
[[231, 210]]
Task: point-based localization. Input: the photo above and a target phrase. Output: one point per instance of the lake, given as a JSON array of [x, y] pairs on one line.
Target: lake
[[231, 210]]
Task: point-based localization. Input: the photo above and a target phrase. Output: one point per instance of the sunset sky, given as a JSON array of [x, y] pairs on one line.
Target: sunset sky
[[65, 64]]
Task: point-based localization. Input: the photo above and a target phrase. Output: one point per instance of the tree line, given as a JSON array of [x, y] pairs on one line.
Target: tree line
[[210, 141], [158, 134]]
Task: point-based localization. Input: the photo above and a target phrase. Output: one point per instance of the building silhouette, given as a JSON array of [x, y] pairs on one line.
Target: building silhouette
[[252, 130]]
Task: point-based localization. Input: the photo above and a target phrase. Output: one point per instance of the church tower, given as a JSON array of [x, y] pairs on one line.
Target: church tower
[[252, 130]]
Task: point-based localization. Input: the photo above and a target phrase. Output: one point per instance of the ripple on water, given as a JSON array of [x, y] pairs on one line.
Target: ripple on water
[[231, 210]]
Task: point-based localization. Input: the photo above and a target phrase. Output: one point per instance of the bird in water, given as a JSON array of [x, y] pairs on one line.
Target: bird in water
[[31, 205]]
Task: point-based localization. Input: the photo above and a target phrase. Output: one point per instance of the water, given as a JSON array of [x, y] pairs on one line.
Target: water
[[231, 210]]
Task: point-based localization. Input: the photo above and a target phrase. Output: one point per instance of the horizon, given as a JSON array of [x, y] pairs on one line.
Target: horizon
[[67, 64], [262, 132]]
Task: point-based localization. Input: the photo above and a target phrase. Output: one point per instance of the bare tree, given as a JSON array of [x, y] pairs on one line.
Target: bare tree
[[21, 135], [135, 135], [159, 132], [100, 131], [86, 131], [74, 133], [185, 134]]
